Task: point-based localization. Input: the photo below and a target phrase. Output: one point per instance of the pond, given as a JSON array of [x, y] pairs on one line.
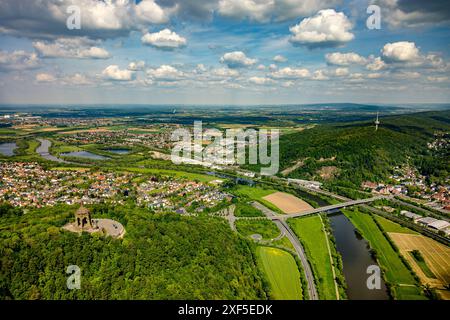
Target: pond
[[84, 154], [356, 258], [7, 149]]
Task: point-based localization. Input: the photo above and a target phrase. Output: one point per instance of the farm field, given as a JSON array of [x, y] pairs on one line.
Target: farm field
[[436, 256], [310, 232], [282, 273], [257, 194], [287, 203], [397, 274]]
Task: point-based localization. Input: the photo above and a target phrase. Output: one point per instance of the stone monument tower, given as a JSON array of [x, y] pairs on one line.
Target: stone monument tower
[[83, 218]]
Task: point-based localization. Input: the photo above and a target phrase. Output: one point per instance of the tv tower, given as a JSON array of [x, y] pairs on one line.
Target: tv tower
[[377, 122]]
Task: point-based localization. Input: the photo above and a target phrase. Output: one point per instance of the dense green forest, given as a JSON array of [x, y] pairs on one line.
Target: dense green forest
[[355, 152], [162, 256]]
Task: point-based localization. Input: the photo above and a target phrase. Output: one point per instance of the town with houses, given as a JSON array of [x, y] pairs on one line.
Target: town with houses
[[29, 185]]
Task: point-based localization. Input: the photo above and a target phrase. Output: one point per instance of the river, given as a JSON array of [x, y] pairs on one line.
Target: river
[[43, 150], [355, 254], [356, 258]]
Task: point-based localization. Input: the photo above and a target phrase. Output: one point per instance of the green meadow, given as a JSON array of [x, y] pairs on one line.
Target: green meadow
[[310, 232], [282, 272]]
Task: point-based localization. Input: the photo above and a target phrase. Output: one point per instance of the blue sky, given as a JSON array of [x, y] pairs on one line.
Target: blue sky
[[224, 52]]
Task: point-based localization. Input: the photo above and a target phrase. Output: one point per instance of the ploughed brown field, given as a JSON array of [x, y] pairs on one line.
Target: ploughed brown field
[[287, 202], [435, 254]]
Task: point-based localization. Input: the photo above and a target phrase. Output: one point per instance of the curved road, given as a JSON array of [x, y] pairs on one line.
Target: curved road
[[284, 228]]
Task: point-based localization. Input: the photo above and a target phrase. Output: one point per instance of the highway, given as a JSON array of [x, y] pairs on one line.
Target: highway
[[285, 229], [327, 208]]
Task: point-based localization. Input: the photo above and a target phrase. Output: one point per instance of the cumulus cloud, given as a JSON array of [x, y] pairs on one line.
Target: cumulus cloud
[[237, 59], [402, 51], [45, 77], [319, 75], [100, 19], [164, 40], [413, 13], [291, 73], [375, 64], [113, 72], [344, 59], [267, 10], [136, 65], [327, 28], [77, 79], [165, 73], [18, 60], [225, 72], [279, 58], [260, 80], [76, 48]]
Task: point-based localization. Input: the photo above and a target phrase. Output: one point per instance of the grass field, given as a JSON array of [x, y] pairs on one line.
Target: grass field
[[282, 273], [310, 232], [389, 226], [257, 194], [266, 228], [404, 286]]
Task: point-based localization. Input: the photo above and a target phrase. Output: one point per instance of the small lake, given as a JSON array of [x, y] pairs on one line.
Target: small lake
[[7, 149], [84, 154], [356, 258], [119, 151]]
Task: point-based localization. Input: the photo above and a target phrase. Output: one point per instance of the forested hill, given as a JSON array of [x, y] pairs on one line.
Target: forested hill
[[163, 256], [347, 154]]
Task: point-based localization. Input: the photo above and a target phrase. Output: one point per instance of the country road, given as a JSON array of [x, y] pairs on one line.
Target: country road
[[284, 228]]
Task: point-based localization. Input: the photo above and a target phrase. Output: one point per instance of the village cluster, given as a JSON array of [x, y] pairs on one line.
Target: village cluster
[[408, 182], [30, 185], [153, 138]]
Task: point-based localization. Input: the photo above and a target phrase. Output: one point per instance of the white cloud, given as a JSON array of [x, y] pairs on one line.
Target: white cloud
[[164, 39], [18, 60], [374, 75], [260, 80], [279, 58], [45, 77], [113, 72], [77, 79], [319, 75], [237, 59], [291, 73], [375, 64], [76, 48], [327, 28], [136, 65], [100, 19], [402, 51], [267, 10], [414, 13], [261, 67], [341, 72], [165, 73], [148, 11], [225, 72], [437, 79], [344, 59], [258, 10]]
